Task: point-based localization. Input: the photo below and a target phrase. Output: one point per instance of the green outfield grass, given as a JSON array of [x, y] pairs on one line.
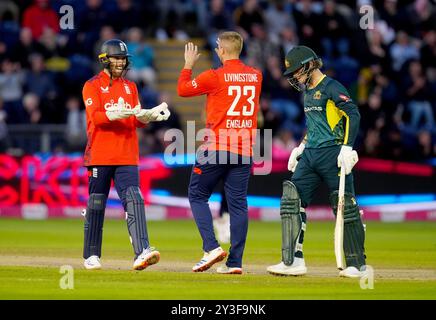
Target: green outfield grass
[[403, 256]]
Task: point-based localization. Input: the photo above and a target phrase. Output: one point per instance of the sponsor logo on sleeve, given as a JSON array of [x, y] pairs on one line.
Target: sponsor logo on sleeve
[[344, 97], [88, 101]]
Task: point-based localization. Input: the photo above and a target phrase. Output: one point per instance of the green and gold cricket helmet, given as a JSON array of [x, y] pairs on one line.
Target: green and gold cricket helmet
[[298, 57]]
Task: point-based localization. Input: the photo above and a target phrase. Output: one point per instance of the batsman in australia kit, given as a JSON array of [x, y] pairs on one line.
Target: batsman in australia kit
[[332, 121]]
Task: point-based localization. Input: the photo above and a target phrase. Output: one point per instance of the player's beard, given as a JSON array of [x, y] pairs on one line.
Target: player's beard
[[116, 72]]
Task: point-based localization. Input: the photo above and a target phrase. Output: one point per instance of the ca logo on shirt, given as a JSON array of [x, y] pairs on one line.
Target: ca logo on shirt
[[104, 90], [317, 95]]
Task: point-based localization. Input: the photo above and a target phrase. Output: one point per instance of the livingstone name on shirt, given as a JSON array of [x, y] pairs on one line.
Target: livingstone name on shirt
[[240, 77]]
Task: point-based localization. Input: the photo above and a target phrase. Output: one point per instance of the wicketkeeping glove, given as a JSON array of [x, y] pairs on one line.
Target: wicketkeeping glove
[[119, 111], [348, 158], [158, 113], [293, 159]]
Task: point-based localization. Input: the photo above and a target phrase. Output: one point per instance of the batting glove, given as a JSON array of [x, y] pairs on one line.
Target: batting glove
[[348, 158], [119, 111], [295, 154], [158, 113]]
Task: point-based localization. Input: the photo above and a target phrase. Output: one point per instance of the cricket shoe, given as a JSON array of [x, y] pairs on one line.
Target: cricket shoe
[[92, 263], [298, 268], [209, 259], [148, 257], [353, 272], [222, 228], [229, 270]]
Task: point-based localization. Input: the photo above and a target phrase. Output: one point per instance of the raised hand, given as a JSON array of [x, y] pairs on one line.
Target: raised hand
[[191, 55]]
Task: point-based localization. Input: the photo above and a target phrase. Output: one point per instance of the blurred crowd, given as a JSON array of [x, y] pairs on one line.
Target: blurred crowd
[[387, 61]]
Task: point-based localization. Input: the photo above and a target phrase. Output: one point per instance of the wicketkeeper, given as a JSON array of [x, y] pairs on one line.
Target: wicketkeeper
[[332, 121], [113, 113]]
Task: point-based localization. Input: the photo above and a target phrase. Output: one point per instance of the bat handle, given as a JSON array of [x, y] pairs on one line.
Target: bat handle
[[342, 182]]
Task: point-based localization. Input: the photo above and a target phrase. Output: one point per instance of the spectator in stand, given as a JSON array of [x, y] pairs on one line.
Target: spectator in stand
[[270, 119], [425, 145], [389, 95], [12, 80], [283, 101], [40, 16], [428, 61], [377, 50], [125, 16], [3, 51], [218, 20], [288, 40], [308, 25], [75, 131], [91, 19], [248, 14], [335, 33], [372, 143], [31, 103], [394, 16], [278, 18], [25, 47], [141, 68], [38, 80], [171, 25], [402, 50], [364, 82], [375, 115], [260, 48], [417, 98], [4, 135], [54, 48], [428, 54], [11, 7], [9, 25], [422, 17]]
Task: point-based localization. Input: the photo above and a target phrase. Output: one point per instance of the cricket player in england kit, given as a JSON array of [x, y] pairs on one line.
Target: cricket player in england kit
[[113, 113], [231, 112]]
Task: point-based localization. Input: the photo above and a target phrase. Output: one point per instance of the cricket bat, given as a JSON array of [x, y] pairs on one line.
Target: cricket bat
[[339, 227]]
